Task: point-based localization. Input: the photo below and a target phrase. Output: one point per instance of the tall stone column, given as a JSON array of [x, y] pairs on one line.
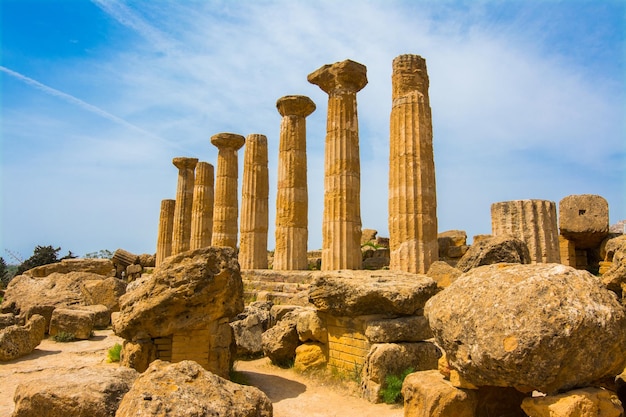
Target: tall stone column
[[532, 221], [181, 232], [166, 226], [254, 201], [292, 200], [202, 207], [412, 196], [341, 224], [226, 211]]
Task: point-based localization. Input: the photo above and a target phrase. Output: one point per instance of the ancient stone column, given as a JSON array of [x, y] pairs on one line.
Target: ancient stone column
[[202, 207], [341, 224], [181, 231], [226, 211], [412, 194], [166, 226], [532, 221], [254, 201], [292, 201]]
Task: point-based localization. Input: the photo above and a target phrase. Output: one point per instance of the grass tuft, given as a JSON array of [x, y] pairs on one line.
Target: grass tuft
[[391, 393], [113, 354], [64, 337]]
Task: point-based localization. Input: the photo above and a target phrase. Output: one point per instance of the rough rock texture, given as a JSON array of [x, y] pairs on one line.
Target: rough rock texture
[[393, 359], [106, 292], [443, 273], [311, 327], [310, 356], [531, 327], [280, 341], [89, 392], [138, 354], [17, 341], [584, 402], [358, 293], [584, 219], [615, 276], [102, 315], [185, 389], [6, 320], [495, 250], [80, 323], [428, 394], [249, 326], [186, 292], [95, 266], [401, 329]]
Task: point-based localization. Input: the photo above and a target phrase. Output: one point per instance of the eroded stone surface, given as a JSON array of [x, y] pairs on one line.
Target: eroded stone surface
[[584, 402], [17, 341], [493, 250], [428, 394]]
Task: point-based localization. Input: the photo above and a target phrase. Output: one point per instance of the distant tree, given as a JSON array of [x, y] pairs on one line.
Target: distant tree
[[101, 254], [42, 255], [4, 273]]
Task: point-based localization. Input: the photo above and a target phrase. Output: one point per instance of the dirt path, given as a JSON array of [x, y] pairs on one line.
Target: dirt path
[[291, 393]]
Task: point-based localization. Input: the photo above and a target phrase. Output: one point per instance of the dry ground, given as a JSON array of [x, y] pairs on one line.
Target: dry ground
[[291, 393]]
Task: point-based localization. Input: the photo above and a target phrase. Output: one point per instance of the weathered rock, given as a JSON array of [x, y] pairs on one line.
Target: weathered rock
[[138, 354], [591, 402], [249, 327], [584, 219], [310, 356], [311, 327], [531, 327], [393, 359], [88, 392], [280, 342], [620, 387], [186, 389], [102, 267], [278, 311], [147, 260], [401, 329], [500, 401], [133, 272], [79, 323], [106, 292], [358, 293], [102, 315], [186, 292], [17, 341], [6, 320], [122, 258], [615, 276], [495, 250], [428, 394], [443, 273]]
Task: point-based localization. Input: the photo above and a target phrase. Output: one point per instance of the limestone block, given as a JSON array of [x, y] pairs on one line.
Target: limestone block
[[138, 354], [311, 327], [428, 394], [102, 315], [147, 260], [186, 389], [443, 274], [102, 267], [42, 310], [393, 359], [133, 272], [596, 402], [402, 329], [249, 326], [280, 342], [80, 323], [6, 320], [124, 258], [534, 334], [106, 292], [584, 219], [614, 276], [310, 356], [17, 341], [495, 250]]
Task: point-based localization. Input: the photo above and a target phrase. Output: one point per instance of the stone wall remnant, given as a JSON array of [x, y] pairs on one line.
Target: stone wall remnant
[[166, 230], [584, 220], [181, 229], [341, 224], [202, 206]]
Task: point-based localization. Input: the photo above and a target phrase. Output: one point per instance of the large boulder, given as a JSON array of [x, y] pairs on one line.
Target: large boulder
[[88, 392], [443, 273], [615, 276], [102, 267], [248, 327], [17, 341], [493, 250], [280, 341], [106, 292], [186, 389], [359, 293], [428, 394], [531, 327], [79, 323], [187, 291]]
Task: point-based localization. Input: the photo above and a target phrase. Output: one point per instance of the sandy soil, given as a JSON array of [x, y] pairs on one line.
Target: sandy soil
[[291, 393]]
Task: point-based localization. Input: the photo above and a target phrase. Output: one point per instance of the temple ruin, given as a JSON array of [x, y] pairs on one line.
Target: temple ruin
[[202, 206], [181, 230]]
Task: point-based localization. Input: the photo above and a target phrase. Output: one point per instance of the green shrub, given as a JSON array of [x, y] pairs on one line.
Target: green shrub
[[113, 354], [64, 337], [391, 391]]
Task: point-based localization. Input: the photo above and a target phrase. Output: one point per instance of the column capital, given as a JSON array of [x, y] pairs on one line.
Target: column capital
[[228, 141], [182, 162], [295, 106], [341, 76]]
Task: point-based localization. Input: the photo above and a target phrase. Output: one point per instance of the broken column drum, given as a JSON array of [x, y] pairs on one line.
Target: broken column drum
[[254, 204], [341, 224], [292, 201], [202, 206], [226, 211], [532, 221], [181, 231], [166, 225], [412, 190]]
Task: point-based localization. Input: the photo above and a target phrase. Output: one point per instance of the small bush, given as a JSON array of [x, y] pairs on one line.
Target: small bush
[[391, 392], [113, 354], [64, 337]]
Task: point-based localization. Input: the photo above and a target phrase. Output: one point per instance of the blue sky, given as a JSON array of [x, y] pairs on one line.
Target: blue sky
[[528, 101]]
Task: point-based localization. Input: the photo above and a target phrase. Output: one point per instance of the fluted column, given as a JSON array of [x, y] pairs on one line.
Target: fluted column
[[181, 232], [254, 201], [226, 211], [202, 206], [341, 224], [292, 201], [412, 195], [532, 221], [166, 226]]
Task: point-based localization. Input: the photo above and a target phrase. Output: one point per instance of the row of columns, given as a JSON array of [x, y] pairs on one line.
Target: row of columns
[[198, 218]]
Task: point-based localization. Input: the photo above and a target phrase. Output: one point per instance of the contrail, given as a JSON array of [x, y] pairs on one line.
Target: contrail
[[71, 99]]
